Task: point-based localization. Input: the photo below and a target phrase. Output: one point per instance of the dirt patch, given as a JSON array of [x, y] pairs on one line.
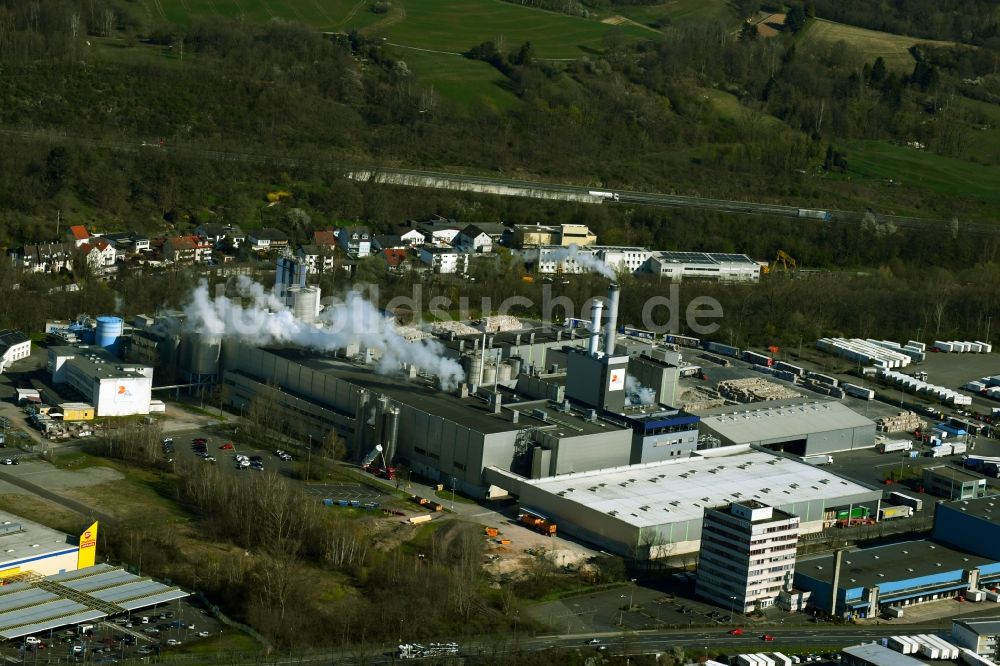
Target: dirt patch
[[772, 26], [615, 20]]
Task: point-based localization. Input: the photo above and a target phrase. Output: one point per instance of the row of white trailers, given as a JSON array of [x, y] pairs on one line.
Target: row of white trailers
[[764, 659], [869, 352], [918, 386], [964, 347], [988, 386], [928, 645]]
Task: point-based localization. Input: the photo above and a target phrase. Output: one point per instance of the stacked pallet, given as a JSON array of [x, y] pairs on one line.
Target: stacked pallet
[[901, 422], [754, 389]]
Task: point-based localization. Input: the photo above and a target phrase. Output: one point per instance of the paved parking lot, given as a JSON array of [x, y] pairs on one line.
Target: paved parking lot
[[224, 457], [167, 628]]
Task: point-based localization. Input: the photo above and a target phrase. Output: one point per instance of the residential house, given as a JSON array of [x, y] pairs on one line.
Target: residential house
[[445, 259], [127, 242], [355, 241], [439, 231], [394, 258], [409, 236], [183, 249], [319, 258], [14, 345], [267, 238], [479, 238], [46, 257], [78, 234], [217, 233], [387, 242], [326, 237], [100, 254]]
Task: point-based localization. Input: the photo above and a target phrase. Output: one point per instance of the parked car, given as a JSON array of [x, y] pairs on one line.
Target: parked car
[[202, 634], [228, 446], [31, 640], [173, 641], [10, 461], [199, 440]]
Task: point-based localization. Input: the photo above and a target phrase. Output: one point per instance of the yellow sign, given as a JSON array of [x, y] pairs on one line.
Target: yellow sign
[[87, 555]]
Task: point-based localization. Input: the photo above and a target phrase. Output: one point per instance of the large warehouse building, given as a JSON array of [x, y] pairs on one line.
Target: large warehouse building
[[656, 509], [114, 388], [898, 575], [30, 547], [971, 525], [793, 426]]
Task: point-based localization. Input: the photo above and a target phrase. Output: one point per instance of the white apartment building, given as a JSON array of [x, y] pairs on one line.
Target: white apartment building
[[747, 555], [444, 259], [14, 345]]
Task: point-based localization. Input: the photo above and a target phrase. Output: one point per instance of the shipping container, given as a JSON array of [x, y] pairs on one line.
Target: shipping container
[[858, 391], [856, 512], [917, 345], [940, 451], [975, 595], [757, 359], [720, 348], [788, 367], [943, 346], [823, 379]]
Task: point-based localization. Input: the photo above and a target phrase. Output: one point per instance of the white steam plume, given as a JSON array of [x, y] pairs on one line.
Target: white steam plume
[[260, 318], [636, 394], [583, 259]]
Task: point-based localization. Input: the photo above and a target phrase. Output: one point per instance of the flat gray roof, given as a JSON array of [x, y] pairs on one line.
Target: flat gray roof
[[878, 655], [423, 395], [867, 567], [678, 490], [37, 605], [752, 423], [983, 627], [954, 474], [987, 508], [98, 363], [22, 539]]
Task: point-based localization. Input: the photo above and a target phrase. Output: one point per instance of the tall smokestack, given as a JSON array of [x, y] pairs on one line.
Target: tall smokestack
[[595, 326], [611, 332]]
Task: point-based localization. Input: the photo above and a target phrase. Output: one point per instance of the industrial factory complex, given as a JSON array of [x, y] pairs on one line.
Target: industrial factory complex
[[582, 423]]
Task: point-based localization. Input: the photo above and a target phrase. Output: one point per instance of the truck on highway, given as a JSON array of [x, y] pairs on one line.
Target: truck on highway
[[817, 460], [824, 215], [608, 196]]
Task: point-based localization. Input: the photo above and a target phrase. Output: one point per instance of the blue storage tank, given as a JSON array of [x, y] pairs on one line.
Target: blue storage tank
[[109, 332], [83, 332]]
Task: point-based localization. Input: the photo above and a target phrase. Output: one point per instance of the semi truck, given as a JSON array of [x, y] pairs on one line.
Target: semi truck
[[607, 196], [890, 446], [811, 214], [905, 500], [894, 512], [941, 451], [817, 460]]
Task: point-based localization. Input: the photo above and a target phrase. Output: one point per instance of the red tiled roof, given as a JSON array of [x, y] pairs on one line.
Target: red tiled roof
[[79, 232], [324, 238], [394, 256]]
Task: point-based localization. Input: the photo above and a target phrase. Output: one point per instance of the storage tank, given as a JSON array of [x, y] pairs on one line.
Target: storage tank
[[109, 332], [305, 303]]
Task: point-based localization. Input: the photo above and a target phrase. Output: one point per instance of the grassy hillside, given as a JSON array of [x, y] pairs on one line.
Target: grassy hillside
[[892, 48], [946, 176], [677, 12]]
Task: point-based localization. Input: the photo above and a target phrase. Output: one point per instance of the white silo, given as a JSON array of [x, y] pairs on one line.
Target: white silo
[[305, 303]]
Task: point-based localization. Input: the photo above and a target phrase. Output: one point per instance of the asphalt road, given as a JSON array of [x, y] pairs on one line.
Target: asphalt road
[[460, 181]]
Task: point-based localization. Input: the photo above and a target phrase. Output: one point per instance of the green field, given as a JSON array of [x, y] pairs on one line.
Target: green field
[[877, 160], [872, 43], [678, 12], [429, 34], [465, 81], [438, 25]]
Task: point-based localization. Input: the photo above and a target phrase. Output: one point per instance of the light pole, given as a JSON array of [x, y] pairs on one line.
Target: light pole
[[309, 458], [732, 607], [631, 593]]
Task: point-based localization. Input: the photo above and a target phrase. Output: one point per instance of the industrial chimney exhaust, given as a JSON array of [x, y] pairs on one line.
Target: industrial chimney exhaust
[[611, 330], [595, 326]]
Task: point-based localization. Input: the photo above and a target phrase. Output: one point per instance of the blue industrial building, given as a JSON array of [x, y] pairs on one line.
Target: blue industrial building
[[871, 580], [972, 525]]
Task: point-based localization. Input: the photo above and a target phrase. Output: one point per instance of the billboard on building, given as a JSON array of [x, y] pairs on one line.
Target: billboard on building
[[616, 379], [87, 555]]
